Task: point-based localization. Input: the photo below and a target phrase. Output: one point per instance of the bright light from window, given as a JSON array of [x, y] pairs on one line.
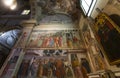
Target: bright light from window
[[92, 6], [87, 6], [8, 2], [25, 12], [88, 2], [12, 7]]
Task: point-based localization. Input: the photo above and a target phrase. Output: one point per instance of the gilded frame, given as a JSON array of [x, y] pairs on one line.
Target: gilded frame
[[106, 31]]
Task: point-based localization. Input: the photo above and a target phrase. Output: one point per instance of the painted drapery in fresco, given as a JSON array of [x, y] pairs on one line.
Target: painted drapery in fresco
[[64, 39]]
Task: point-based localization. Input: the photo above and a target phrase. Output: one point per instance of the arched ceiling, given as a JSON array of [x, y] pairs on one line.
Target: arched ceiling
[[51, 7], [56, 18], [13, 18], [9, 17]]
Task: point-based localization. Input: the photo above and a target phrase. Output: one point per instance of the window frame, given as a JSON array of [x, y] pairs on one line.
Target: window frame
[[90, 7]]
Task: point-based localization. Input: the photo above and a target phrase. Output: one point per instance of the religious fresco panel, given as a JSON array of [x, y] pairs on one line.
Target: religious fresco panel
[[45, 63], [64, 39]]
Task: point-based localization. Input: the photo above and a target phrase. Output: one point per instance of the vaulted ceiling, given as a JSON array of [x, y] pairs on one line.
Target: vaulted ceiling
[[9, 17], [21, 4]]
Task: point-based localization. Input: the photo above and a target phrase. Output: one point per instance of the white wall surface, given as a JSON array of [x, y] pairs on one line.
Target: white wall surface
[[112, 9], [99, 4]]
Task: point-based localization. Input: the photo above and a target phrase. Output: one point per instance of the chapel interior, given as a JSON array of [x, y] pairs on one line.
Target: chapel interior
[[59, 38]]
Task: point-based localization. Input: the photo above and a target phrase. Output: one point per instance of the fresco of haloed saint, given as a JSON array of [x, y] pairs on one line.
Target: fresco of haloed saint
[[76, 66], [45, 64], [54, 39]]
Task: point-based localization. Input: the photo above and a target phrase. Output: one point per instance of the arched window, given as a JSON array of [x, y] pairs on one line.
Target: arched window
[[87, 6]]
